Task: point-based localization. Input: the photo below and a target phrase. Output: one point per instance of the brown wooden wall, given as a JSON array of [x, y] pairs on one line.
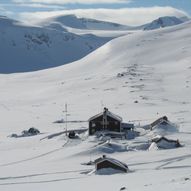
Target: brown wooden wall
[[113, 125], [108, 164]]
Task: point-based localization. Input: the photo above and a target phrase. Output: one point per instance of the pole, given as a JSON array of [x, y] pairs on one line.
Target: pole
[[106, 119], [103, 119], [66, 110]]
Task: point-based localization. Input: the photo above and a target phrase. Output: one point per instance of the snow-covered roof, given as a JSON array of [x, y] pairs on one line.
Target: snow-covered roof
[[164, 128], [159, 121], [163, 142], [110, 114], [158, 139], [112, 160]]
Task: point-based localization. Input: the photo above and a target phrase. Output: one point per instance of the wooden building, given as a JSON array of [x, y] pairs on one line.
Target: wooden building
[[105, 163], [161, 121], [164, 143], [127, 127], [105, 121]]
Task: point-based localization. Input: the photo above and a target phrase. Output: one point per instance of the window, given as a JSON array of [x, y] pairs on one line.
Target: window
[[104, 123]]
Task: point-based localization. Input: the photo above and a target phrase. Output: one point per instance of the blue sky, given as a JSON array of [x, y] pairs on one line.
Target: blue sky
[[27, 8]]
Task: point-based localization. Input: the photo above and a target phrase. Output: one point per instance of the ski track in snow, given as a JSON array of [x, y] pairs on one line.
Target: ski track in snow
[[35, 157], [43, 181]]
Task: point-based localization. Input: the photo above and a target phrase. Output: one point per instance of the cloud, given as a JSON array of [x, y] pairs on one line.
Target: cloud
[[128, 16], [5, 12], [39, 5], [73, 1]]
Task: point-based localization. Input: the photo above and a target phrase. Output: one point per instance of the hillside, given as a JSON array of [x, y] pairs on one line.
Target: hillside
[[163, 22], [35, 48], [59, 40], [141, 77]]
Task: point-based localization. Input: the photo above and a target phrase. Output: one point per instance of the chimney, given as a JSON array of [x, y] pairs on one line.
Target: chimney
[[105, 109], [104, 156]]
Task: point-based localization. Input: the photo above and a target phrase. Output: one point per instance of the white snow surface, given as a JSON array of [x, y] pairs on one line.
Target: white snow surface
[[152, 68]]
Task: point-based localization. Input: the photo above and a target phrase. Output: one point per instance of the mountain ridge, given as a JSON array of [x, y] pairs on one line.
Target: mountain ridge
[[35, 48], [163, 22], [72, 21], [41, 47]]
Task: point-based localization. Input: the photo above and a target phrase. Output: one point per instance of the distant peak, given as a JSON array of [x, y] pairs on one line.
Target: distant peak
[[162, 22], [70, 16], [74, 21]]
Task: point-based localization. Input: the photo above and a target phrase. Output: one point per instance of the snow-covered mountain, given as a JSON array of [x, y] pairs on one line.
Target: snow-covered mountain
[[127, 65], [72, 21], [55, 43], [69, 22], [140, 77], [26, 48], [163, 22]]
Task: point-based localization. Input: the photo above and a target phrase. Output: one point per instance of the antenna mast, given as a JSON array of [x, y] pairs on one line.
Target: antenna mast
[[66, 110]]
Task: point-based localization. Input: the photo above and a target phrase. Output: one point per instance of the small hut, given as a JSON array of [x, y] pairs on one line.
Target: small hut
[[161, 121], [105, 121], [164, 143], [110, 163]]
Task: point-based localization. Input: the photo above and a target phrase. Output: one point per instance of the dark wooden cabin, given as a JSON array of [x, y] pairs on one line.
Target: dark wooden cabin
[[105, 121], [104, 163], [164, 143], [163, 120]]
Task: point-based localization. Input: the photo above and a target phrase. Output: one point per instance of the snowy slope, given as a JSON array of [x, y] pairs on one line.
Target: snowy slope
[[80, 26], [26, 48], [152, 68]]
